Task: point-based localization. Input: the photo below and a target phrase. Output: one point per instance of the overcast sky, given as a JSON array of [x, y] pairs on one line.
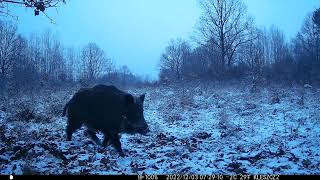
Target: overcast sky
[[135, 32]]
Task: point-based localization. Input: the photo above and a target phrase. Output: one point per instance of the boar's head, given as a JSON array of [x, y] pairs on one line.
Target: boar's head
[[135, 122]]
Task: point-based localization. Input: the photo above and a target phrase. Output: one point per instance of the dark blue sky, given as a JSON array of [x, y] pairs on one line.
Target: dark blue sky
[[135, 32]]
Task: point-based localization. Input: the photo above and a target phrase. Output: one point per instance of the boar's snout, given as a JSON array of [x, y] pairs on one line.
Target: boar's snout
[[144, 129], [140, 127]]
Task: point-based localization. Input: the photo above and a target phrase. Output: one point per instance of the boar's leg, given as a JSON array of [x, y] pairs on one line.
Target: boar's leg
[[71, 127], [117, 144], [105, 142], [115, 141], [93, 136]]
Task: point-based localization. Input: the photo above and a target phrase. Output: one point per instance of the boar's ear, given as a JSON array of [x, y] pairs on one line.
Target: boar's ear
[[129, 99], [142, 97]]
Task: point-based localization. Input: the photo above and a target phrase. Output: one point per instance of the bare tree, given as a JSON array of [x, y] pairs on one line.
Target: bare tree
[[174, 58], [124, 73], [316, 22], [224, 24], [57, 63], [37, 5], [253, 53], [309, 36], [24, 77], [197, 64], [50, 57], [94, 61], [278, 44], [8, 38], [316, 17], [307, 48], [70, 56]]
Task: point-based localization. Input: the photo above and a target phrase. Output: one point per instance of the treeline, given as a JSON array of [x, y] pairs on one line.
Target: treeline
[[229, 45], [41, 61]]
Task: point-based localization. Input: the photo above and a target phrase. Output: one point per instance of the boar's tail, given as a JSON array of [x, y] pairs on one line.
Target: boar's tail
[[65, 109]]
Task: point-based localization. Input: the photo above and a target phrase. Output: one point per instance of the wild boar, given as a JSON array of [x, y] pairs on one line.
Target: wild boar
[[106, 109]]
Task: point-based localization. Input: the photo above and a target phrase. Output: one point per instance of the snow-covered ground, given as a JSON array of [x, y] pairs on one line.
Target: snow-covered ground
[[195, 129]]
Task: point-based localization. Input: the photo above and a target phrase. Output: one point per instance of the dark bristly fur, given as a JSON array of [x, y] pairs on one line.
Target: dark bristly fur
[[106, 109]]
